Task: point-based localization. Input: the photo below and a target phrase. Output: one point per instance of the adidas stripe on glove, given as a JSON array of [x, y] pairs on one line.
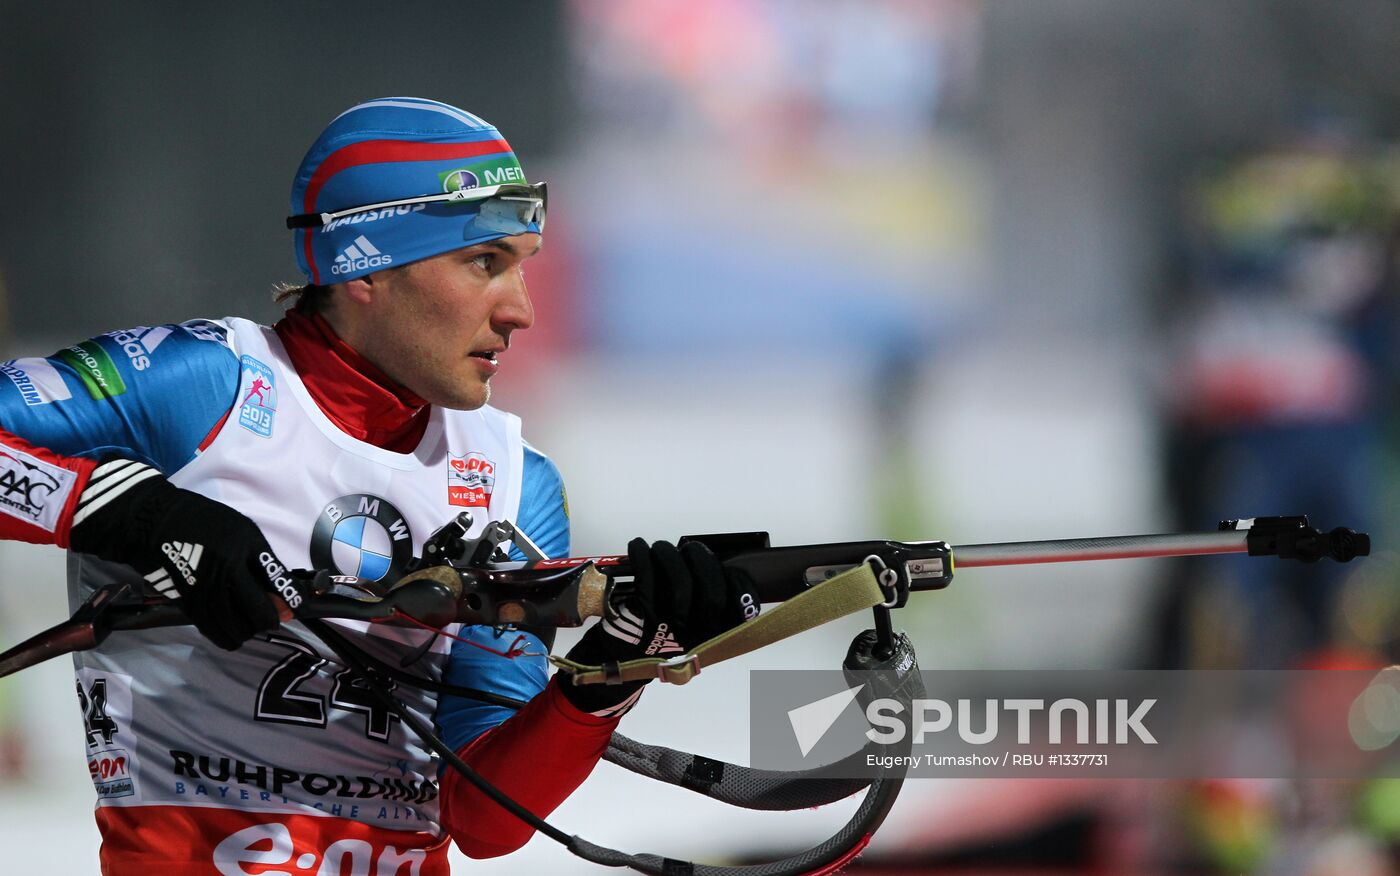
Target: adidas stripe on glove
[[677, 598], [210, 559]]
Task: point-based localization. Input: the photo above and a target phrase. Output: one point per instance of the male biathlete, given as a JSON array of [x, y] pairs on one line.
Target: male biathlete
[[203, 460]]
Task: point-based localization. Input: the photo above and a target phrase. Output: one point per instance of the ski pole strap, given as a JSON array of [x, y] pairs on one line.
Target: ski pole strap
[[851, 591]]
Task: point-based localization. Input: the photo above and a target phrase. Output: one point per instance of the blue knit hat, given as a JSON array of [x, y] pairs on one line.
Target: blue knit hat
[[392, 149]]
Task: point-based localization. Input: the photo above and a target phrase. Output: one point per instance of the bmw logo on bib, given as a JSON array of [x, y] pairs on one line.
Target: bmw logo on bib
[[364, 536]]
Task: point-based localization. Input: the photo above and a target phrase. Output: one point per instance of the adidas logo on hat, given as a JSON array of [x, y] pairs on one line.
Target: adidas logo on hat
[[358, 256]]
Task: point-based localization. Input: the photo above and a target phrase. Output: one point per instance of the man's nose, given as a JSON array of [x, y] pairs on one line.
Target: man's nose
[[515, 309]]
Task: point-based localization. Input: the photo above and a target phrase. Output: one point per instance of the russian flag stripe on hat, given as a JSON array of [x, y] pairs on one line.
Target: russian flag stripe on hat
[[382, 151]]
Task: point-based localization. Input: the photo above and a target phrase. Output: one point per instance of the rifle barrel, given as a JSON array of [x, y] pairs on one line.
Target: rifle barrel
[[1121, 547]]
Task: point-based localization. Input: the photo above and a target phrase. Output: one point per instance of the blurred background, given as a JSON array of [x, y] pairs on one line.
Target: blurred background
[[930, 269]]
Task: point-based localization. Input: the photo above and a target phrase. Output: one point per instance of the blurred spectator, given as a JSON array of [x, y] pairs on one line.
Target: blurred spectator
[[1276, 388]]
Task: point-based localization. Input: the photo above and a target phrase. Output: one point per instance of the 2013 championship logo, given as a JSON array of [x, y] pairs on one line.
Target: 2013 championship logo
[[258, 394]]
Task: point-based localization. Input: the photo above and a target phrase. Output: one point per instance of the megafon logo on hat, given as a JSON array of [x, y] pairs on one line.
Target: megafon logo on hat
[[491, 173], [458, 180], [359, 255]]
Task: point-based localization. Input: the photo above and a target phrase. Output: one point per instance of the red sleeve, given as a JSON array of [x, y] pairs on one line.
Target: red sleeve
[[38, 491], [538, 756]]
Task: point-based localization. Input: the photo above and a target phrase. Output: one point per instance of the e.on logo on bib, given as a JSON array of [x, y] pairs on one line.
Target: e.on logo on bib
[[270, 845], [110, 772], [470, 480]]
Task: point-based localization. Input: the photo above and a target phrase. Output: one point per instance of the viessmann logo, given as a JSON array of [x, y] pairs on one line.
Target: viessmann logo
[[470, 480]]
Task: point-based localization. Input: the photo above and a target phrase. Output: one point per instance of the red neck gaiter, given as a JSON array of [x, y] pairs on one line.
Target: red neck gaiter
[[359, 398]]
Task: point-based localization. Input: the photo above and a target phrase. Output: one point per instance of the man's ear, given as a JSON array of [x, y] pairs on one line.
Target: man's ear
[[360, 290]]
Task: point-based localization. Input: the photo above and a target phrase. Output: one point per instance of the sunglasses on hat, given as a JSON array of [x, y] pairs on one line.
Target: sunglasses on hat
[[503, 205]]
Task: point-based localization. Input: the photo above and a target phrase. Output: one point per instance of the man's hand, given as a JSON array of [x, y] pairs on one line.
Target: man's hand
[[210, 559], [677, 599]]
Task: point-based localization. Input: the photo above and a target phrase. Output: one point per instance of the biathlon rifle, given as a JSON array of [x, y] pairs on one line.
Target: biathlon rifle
[[469, 580]]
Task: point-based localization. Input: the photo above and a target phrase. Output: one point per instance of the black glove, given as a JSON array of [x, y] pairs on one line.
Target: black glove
[[677, 598], [212, 560]]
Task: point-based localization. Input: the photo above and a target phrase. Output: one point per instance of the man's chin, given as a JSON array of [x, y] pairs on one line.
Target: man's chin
[[469, 402]]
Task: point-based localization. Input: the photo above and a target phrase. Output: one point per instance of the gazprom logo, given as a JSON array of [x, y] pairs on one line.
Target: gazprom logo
[[457, 180]]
